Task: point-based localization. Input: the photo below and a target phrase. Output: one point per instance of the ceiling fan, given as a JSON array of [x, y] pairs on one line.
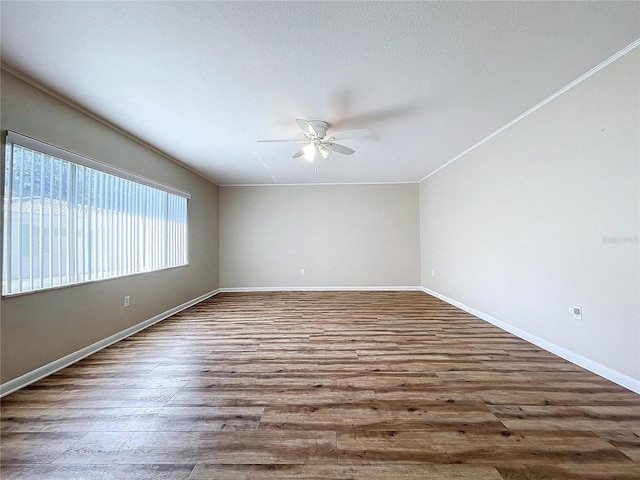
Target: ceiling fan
[[318, 141]]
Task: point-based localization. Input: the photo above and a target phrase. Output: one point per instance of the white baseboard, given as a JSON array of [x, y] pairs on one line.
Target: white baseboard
[[46, 370], [595, 367], [376, 288], [621, 379]]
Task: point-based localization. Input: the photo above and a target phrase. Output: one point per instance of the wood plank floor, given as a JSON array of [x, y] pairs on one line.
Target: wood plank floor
[[321, 385]]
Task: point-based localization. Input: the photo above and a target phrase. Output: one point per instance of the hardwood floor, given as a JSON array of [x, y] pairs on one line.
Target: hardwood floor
[[324, 385]]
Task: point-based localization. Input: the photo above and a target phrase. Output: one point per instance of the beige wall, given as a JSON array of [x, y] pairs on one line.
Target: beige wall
[[341, 235], [42, 327], [520, 228]]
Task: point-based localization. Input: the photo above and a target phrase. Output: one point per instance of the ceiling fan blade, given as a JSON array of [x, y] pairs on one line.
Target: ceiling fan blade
[[363, 132], [306, 127], [334, 147], [299, 153]]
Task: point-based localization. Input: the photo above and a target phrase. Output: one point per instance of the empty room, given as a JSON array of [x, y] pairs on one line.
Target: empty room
[[320, 240]]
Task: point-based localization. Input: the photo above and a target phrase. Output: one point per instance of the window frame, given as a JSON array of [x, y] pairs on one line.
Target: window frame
[[13, 138]]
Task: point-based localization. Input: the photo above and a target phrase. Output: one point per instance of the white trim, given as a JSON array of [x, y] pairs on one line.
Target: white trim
[[553, 96], [376, 288], [46, 370], [314, 184], [77, 284], [47, 148], [621, 379], [567, 87], [75, 106]]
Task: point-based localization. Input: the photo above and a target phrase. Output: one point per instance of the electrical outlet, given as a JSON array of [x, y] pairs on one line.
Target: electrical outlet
[[126, 300], [302, 271], [576, 311], [433, 272]]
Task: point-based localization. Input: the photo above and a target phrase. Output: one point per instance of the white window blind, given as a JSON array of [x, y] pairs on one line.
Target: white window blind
[[69, 219]]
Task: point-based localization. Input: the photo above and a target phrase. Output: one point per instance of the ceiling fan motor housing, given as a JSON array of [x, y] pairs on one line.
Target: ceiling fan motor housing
[[320, 127]]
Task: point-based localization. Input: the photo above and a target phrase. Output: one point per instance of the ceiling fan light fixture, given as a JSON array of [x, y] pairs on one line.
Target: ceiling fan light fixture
[[324, 151], [310, 152]]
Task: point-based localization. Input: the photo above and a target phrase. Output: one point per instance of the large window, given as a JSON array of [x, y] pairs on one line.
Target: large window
[[69, 219]]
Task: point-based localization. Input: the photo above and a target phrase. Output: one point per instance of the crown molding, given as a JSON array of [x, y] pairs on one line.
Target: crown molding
[[312, 184], [550, 98], [37, 85]]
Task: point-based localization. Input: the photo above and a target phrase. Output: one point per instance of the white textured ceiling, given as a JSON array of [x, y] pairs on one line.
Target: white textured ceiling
[[202, 81]]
